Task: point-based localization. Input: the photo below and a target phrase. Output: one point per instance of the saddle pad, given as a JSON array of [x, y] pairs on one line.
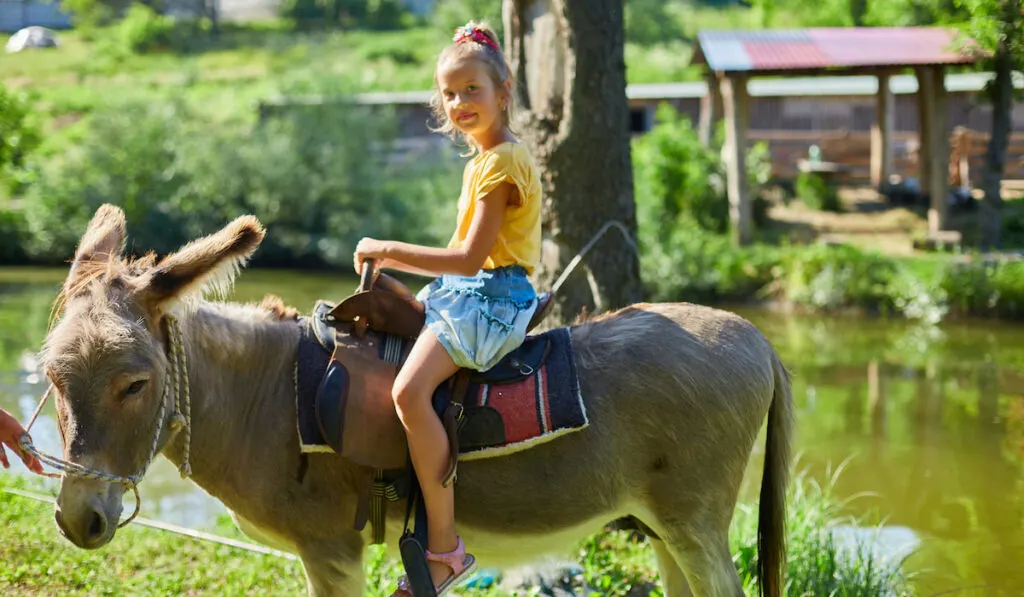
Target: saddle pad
[[537, 409], [500, 418], [310, 364]]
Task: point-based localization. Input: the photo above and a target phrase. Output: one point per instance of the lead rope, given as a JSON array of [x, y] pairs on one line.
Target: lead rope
[[586, 249], [180, 386]]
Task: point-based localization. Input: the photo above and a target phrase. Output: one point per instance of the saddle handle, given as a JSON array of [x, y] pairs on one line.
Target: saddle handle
[[368, 274]]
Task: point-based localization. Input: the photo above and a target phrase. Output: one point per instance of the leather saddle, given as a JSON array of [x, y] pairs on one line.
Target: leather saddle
[[369, 335], [386, 305]]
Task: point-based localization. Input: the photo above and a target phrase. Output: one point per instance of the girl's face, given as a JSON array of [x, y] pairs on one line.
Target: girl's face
[[472, 101]]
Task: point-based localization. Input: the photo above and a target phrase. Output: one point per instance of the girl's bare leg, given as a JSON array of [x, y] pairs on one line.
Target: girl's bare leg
[[427, 366]]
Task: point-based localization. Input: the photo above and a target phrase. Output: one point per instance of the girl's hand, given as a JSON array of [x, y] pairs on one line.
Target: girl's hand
[[369, 248], [10, 433]]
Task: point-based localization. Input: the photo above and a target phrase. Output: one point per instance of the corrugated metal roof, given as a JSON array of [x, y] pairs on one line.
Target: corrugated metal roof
[[826, 48], [771, 87]]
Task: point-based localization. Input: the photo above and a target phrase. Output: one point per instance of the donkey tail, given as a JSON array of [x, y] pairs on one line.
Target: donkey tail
[[771, 515]]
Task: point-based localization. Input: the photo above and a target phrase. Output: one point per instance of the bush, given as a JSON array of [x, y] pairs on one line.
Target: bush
[[694, 265], [679, 180], [816, 193], [143, 30], [677, 177], [318, 179], [19, 136], [12, 236], [831, 277], [449, 14], [347, 14], [987, 288], [651, 22]]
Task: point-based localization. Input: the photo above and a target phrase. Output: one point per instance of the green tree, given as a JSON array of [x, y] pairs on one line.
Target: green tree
[[996, 25], [449, 14], [815, 13], [651, 22], [347, 14], [18, 134]]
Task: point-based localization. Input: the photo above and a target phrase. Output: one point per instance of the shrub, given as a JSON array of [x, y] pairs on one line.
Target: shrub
[[348, 14], [19, 136], [692, 264], [12, 236], [144, 30], [987, 288], [651, 22], [832, 277], [318, 179], [449, 14], [816, 193], [677, 177]]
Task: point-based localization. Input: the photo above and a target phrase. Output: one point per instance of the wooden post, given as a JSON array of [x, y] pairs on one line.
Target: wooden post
[[710, 110], [939, 169], [734, 100], [881, 133], [934, 143], [924, 99], [961, 152]]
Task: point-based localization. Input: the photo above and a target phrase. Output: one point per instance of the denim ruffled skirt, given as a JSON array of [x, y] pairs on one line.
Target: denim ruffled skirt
[[480, 319]]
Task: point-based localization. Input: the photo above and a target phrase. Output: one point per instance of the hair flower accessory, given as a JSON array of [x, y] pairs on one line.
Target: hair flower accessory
[[470, 33]]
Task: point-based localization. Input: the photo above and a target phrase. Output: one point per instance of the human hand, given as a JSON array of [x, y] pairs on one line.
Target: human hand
[[368, 248], [10, 433]]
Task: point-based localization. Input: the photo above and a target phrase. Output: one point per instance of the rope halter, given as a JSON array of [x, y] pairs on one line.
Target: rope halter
[[180, 420]]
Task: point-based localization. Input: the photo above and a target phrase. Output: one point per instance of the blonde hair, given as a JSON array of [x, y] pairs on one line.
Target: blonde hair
[[497, 67]]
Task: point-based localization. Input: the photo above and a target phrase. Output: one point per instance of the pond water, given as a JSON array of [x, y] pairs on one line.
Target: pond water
[[926, 421]]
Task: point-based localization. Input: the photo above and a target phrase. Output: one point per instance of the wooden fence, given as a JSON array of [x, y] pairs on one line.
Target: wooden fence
[[852, 150]]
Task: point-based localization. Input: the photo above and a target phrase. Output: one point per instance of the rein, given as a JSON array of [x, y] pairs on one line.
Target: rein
[[181, 420]]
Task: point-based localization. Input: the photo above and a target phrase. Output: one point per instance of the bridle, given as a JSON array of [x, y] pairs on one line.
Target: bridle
[[181, 420]]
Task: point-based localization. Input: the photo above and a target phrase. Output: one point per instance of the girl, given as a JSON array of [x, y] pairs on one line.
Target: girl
[[479, 306]]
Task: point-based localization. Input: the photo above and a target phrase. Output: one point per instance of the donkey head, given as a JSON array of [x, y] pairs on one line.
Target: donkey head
[[107, 359]]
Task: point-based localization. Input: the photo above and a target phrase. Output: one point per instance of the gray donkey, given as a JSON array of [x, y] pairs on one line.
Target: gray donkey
[[675, 393]]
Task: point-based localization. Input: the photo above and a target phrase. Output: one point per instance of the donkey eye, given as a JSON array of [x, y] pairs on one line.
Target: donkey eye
[[136, 387]]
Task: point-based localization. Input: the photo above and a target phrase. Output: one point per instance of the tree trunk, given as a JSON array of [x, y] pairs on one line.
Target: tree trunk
[[995, 159], [213, 13], [858, 10], [567, 59]]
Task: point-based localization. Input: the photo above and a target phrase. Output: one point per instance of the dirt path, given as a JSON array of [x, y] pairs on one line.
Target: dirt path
[[868, 221]]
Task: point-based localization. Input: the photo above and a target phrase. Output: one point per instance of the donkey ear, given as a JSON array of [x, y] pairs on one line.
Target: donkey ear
[[204, 264], [102, 242]]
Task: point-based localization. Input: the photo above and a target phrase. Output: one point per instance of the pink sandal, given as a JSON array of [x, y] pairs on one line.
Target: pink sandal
[[461, 563]]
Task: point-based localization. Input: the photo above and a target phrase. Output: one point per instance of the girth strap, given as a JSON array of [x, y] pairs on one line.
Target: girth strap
[[451, 418], [380, 490]]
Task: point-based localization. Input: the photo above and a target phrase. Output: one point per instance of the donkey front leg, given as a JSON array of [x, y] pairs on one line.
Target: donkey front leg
[[334, 568]]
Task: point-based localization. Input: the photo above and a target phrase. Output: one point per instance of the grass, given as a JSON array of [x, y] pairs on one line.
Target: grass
[[818, 565], [37, 561]]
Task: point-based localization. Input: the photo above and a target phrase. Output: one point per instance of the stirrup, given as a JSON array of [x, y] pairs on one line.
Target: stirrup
[[461, 563]]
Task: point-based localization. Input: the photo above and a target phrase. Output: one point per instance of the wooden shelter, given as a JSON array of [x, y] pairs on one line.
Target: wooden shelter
[[732, 58]]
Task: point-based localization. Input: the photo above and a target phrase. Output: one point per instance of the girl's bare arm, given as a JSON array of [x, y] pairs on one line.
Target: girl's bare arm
[[466, 260]]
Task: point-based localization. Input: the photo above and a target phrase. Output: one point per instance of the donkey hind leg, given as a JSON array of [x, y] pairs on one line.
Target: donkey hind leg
[[673, 581], [334, 568], [701, 550]]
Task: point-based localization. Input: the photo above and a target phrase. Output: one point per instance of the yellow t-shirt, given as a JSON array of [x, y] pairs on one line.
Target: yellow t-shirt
[[519, 238]]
